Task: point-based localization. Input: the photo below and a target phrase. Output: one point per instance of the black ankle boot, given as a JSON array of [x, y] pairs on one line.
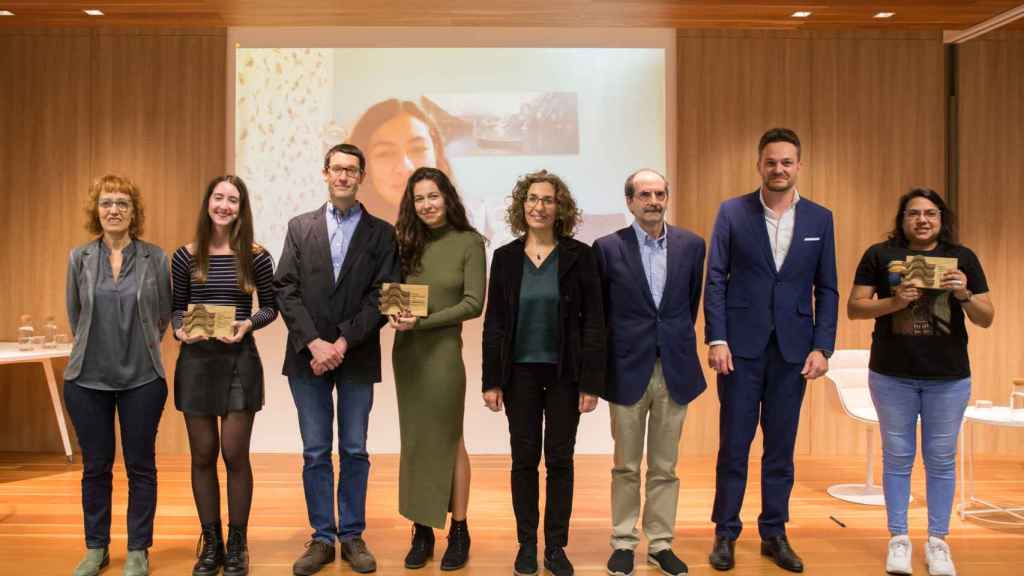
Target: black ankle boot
[[457, 554], [422, 548], [236, 561], [209, 551]]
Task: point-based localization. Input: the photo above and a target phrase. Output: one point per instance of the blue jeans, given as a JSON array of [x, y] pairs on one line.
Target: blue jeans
[[314, 401], [940, 404], [138, 412]]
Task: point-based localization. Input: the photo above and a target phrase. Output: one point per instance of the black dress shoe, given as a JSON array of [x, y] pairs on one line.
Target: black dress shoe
[[777, 547], [422, 548], [457, 553], [723, 553]]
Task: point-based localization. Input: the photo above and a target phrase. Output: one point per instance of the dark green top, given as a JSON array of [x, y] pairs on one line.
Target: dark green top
[[537, 321]]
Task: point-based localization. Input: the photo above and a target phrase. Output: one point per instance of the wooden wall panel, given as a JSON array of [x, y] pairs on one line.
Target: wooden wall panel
[[991, 204], [725, 104], [75, 105], [878, 129], [869, 109], [868, 106]]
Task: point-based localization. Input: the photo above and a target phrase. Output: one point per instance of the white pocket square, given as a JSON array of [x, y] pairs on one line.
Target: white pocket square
[[812, 239]]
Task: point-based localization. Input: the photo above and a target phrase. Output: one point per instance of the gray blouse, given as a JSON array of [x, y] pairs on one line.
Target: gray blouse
[[116, 357]]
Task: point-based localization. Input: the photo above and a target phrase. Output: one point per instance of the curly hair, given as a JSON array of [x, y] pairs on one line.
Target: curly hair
[[568, 217], [412, 234], [114, 183]]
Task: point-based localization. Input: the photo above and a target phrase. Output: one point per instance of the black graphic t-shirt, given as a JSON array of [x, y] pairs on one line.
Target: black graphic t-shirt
[[926, 340]]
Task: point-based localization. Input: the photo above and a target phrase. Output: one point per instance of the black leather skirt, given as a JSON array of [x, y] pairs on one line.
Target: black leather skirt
[[212, 378]]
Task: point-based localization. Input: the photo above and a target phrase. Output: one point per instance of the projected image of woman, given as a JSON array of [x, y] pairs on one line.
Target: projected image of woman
[[398, 137], [543, 356], [218, 382], [438, 248]]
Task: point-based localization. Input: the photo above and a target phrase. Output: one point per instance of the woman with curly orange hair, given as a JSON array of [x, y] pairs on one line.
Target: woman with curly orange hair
[[119, 305]]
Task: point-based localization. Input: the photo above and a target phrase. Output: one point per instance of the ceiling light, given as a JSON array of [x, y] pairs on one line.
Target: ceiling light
[[801, 14], [6, 13], [885, 15], [93, 12]]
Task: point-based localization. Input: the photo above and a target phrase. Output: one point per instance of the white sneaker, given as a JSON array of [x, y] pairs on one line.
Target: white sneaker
[[938, 557], [898, 561]]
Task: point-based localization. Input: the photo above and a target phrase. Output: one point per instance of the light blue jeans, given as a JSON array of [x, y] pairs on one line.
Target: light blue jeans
[[940, 404]]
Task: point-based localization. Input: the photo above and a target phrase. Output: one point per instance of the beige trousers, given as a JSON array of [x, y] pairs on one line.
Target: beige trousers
[[662, 419]]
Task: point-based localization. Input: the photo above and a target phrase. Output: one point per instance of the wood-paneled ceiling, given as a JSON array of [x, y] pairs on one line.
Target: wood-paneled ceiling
[[909, 14]]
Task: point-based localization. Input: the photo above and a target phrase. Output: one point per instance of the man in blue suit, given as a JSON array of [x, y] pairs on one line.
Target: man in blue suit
[[651, 274], [770, 250]]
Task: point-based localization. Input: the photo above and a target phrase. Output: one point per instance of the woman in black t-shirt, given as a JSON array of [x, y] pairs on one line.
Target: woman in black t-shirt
[[925, 282]]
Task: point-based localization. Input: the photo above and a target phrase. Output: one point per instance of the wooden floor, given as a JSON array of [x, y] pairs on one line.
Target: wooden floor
[[41, 527]]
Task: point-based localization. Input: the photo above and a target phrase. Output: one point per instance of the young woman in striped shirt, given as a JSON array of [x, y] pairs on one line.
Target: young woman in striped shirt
[[222, 378]]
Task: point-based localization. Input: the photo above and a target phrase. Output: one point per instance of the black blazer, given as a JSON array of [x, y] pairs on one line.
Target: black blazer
[[581, 339], [314, 305]]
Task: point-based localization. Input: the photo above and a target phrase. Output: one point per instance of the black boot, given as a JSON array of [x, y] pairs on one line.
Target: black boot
[[422, 548], [457, 554], [236, 561], [209, 551]]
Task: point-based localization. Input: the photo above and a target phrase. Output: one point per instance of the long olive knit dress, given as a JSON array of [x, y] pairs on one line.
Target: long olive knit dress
[[430, 376]]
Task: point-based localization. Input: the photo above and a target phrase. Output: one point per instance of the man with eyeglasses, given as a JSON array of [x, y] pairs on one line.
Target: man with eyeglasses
[[651, 274], [770, 251], [328, 282]]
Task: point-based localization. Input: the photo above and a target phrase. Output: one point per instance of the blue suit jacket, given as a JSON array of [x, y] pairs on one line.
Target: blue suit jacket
[[636, 328], [746, 298]]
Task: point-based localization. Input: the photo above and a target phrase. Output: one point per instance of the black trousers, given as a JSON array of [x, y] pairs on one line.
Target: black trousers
[[92, 413], [540, 408]]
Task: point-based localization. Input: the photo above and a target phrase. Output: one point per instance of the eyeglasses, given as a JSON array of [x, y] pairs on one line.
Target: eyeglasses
[[545, 201], [350, 171], [931, 214], [121, 205]]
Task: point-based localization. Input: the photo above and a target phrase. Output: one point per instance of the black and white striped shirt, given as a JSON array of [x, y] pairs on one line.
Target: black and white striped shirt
[[221, 287]]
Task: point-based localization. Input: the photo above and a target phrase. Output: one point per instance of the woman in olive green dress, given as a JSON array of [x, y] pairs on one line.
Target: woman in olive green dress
[[439, 248]]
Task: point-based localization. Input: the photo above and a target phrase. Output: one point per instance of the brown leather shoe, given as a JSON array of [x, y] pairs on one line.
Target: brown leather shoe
[[318, 554], [356, 553]]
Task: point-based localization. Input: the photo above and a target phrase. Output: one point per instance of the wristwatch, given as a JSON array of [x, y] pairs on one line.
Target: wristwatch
[[965, 300], [826, 353]]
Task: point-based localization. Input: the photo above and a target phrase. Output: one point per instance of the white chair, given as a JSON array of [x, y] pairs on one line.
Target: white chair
[[848, 372]]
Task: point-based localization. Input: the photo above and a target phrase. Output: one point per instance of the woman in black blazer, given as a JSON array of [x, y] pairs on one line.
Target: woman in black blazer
[[543, 356]]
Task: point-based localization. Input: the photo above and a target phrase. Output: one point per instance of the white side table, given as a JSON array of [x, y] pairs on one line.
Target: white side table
[[9, 354], [971, 505]]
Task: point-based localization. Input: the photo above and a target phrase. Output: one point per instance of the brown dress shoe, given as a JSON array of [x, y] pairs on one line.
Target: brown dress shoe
[[318, 554], [356, 553]]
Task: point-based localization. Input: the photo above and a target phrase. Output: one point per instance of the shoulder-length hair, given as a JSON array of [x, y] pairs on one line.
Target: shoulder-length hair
[[947, 231], [383, 112], [240, 237], [114, 183], [567, 218], [411, 232]]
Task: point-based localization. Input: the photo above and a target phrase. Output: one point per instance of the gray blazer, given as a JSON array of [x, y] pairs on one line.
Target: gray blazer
[[154, 299]]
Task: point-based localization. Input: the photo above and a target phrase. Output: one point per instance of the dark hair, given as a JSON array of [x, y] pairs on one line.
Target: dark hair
[[114, 183], [239, 237], [411, 232], [779, 135], [947, 231], [631, 190], [567, 218], [346, 148], [381, 113]]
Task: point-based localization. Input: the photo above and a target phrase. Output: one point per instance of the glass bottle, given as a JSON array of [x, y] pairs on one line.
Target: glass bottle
[[50, 332], [25, 332]]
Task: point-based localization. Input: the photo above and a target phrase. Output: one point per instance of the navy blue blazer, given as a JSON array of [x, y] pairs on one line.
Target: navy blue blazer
[[745, 298], [637, 329]]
